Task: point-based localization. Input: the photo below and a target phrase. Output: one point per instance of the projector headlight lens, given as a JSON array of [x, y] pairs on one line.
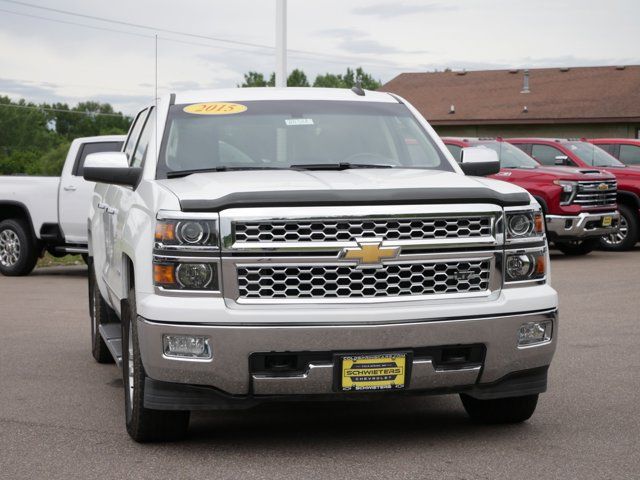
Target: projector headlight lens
[[520, 225], [191, 232]]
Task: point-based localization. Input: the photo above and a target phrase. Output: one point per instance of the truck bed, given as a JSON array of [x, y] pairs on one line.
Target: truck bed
[[39, 195]]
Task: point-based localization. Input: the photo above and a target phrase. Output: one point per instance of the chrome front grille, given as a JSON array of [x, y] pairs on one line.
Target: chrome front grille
[[593, 194], [348, 230], [262, 282]]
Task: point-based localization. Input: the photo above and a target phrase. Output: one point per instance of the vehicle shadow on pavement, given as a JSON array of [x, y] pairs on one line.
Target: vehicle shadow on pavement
[[296, 425], [75, 271]]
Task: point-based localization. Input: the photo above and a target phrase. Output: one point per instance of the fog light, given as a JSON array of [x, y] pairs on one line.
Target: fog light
[[534, 332], [186, 346]]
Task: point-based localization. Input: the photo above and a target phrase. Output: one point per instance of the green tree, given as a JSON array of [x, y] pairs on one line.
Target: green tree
[[34, 138], [328, 80], [253, 79], [348, 80], [297, 78]]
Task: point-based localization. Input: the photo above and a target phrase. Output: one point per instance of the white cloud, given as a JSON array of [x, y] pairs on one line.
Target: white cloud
[[48, 61]]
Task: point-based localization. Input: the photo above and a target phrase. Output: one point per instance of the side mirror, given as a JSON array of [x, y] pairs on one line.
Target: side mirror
[[561, 160], [111, 167], [479, 162]]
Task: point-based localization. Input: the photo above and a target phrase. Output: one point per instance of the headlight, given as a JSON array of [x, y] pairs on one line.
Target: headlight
[[523, 265], [186, 275], [187, 233], [524, 225], [569, 191]]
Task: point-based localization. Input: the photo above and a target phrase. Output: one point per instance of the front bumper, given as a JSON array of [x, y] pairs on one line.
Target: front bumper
[[584, 225], [229, 371]]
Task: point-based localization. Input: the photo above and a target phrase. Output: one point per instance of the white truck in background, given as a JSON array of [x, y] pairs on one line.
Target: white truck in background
[[39, 214]]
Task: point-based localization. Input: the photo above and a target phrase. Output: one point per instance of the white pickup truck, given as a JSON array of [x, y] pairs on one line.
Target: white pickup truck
[[40, 214], [258, 245]]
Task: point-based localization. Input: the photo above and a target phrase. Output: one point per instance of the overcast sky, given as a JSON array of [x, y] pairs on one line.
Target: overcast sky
[[75, 58]]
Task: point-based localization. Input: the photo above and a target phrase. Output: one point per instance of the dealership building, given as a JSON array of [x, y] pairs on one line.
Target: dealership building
[[546, 102]]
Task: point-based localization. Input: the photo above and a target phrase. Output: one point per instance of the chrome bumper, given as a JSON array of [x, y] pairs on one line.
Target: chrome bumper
[[583, 225], [232, 345]]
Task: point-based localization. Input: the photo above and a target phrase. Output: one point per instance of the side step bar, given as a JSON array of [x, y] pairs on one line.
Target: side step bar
[[111, 333], [72, 249]]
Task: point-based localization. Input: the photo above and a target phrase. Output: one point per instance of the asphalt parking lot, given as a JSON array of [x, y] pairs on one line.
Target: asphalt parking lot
[[61, 414]]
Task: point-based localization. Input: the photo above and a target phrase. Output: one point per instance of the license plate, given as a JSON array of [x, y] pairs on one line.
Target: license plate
[[383, 371], [606, 221]]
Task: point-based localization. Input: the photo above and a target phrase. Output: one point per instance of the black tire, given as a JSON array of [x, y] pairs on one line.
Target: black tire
[[578, 247], [500, 410], [16, 234], [618, 242], [99, 314], [143, 424]]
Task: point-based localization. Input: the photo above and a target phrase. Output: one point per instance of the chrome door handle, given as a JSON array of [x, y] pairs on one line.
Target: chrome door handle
[[102, 206], [70, 188]]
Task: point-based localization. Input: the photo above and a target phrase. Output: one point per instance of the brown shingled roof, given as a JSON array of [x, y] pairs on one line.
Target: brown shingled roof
[[584, 94]]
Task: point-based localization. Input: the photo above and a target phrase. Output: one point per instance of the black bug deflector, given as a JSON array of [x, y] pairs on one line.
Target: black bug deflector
[[321, 198]]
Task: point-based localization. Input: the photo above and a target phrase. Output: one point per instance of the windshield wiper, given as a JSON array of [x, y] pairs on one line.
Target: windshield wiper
[[337, 166], [223, 168]]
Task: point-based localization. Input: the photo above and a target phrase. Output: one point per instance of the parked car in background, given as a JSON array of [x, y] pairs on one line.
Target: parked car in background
[[627, 150], [300, 243], [39, 214], [579, 204], [579, 153]]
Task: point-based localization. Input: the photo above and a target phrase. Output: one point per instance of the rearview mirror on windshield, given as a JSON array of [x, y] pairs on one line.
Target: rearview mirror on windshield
[[479, 162], [562, 160], [112, 168]]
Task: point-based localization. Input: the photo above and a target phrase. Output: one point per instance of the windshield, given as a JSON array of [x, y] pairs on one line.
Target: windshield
[[510, 156], [592, 155], [282, 134]]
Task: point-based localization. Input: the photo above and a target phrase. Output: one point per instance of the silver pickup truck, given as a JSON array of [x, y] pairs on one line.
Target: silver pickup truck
[[258, 245]]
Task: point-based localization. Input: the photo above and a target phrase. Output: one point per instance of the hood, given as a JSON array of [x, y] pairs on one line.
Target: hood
[[392, 184], [574, 173]]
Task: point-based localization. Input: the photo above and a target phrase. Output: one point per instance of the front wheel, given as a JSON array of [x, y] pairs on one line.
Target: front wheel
[[18, 250], [578, 247], [627, 234], [144, 424], [500, 410]]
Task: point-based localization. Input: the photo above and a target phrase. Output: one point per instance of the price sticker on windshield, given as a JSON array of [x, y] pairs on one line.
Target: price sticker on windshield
[[215, 108]]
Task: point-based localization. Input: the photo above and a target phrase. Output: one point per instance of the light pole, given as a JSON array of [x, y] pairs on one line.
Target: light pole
[[281, 43]]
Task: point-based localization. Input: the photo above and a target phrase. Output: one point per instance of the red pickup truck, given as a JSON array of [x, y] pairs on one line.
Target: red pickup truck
[[627, 150], [579, 203], [578, 153]]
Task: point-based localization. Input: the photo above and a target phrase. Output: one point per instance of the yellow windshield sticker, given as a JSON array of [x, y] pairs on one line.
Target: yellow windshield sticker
[[215, 108]]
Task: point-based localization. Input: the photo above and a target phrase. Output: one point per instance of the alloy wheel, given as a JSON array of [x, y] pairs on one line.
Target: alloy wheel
[[9, 248], [616, 238]]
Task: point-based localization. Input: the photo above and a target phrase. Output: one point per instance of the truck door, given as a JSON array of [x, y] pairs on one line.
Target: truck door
[[75, 192], [119, 200]]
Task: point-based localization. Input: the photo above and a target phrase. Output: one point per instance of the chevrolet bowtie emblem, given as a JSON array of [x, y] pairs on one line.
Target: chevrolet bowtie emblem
[[369, 252], [603, 186]]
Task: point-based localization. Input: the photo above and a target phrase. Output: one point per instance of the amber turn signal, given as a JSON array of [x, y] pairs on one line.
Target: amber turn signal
[[538, 220], [164, 274], [165, 232]]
